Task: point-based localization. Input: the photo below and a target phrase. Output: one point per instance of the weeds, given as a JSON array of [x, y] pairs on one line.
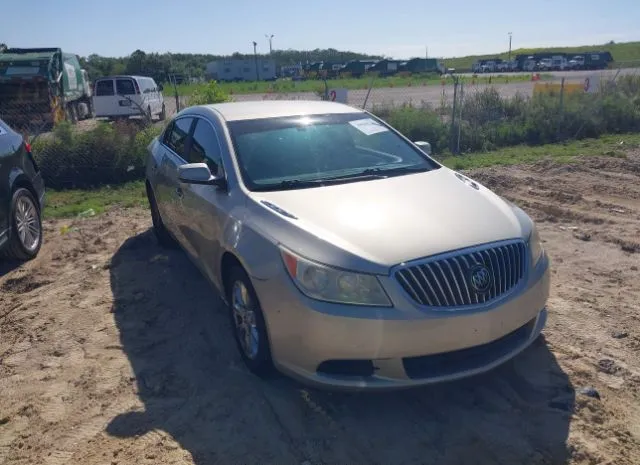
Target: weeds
[[207, 94], [490, 121], [108, 154], [317, 85]]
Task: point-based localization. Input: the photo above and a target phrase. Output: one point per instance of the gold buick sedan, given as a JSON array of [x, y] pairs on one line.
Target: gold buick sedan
[[347, 256]]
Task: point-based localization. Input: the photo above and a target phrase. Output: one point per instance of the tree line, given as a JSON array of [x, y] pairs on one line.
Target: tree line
[[189, 65]]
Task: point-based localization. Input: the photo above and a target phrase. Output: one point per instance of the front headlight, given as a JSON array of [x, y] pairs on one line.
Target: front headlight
[[535, 244], [322, 282]]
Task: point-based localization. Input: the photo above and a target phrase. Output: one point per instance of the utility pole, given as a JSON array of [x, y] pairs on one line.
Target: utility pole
[[270, 39], [510, 34], [255, 56]]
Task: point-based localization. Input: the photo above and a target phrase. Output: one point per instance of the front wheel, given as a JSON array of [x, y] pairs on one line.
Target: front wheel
[[163, 113], [26, 227], [249, 327]]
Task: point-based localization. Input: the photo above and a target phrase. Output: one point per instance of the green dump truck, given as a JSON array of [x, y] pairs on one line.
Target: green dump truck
[[41, 86]]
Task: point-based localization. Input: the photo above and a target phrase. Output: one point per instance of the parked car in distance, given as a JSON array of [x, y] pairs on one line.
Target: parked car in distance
[[348, 257], [545, 64], [125, 96], [21, 197], [577, 62]]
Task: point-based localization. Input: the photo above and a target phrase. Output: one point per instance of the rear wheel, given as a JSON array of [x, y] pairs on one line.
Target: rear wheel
[[164, 237], [72, 113], [249, 327], [26, 227], [90, 115]]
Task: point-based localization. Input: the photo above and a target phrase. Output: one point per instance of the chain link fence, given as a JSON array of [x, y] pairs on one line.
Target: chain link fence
[[459, 114], [81, 153], [567, 106]]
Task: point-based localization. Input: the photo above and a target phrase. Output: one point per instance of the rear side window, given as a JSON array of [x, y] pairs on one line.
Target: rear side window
[[104, 88], [125, 87], [176, 136]]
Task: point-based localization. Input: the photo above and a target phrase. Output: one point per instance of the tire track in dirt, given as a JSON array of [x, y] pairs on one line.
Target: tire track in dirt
[[126, 355]]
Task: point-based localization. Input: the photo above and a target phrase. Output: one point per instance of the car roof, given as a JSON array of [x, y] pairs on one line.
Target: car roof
[[104, 78], [236, 111]]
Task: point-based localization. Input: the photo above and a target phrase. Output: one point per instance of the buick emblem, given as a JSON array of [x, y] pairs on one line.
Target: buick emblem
[[480, 278]]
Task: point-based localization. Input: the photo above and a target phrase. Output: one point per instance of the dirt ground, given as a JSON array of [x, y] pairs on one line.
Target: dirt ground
[[115, 351]]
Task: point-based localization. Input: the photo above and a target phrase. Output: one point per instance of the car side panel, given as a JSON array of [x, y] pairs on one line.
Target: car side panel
[[10, 168]]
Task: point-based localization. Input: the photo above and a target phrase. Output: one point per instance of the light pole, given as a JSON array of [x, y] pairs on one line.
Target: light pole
[[270, 39], [510, 34], [255, 57]]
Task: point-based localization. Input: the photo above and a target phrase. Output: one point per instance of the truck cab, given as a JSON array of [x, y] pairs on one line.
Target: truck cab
[[41, 86]]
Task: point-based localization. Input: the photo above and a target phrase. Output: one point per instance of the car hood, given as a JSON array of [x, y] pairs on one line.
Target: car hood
[[397, 219]]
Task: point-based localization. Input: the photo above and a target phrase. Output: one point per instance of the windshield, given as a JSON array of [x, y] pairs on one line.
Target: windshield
[[308, 151]]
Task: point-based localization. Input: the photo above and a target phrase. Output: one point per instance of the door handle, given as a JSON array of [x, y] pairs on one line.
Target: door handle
[[179, 192]]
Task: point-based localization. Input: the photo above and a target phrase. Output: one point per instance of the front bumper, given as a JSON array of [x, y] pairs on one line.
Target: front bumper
[[405, 346]]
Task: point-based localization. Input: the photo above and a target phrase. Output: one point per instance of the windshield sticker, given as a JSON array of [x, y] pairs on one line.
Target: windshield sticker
[[368, 126], [2, 131]]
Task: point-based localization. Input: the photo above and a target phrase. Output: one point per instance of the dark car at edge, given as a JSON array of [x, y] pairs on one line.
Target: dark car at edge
[[21, 197]]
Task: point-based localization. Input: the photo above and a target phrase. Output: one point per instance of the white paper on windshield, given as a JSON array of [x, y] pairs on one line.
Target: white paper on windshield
[[368, 126]]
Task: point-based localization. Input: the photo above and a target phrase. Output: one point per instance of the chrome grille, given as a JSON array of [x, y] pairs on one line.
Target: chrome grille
[[452, 280]]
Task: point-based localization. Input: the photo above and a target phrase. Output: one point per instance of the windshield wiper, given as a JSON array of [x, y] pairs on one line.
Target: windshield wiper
[[301, 184], [384, 172], [368, 174], [332, 180]]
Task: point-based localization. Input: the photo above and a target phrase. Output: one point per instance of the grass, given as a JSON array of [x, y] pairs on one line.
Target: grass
[[71, 203], [81, 202], [286, 86], [624, 54], [569, 152]]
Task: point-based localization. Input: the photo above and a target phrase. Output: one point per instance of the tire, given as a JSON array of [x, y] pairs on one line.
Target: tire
[[26, 227], [91, 114], [163, 114], [149, 115], [72, 113], [248, 326], [164, 237]]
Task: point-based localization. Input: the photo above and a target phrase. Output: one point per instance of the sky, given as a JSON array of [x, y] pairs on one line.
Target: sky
[[399, 29]]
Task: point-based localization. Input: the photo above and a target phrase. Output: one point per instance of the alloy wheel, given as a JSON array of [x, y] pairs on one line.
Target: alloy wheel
[[244, 318], [27, 223]]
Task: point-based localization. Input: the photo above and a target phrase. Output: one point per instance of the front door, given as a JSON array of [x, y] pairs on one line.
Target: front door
[[105, 102], [169, 190], [201, 214]]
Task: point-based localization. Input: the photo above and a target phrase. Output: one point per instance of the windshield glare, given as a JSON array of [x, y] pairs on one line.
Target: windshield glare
[[304, 151]]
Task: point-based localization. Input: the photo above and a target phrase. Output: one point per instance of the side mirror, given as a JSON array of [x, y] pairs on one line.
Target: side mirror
[[424, 146], [160, 87], [199, 173]]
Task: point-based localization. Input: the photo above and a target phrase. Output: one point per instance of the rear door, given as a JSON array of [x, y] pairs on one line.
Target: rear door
[[104, 100], [128, 97], [10, 149], [6, 152], [169, 191]]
